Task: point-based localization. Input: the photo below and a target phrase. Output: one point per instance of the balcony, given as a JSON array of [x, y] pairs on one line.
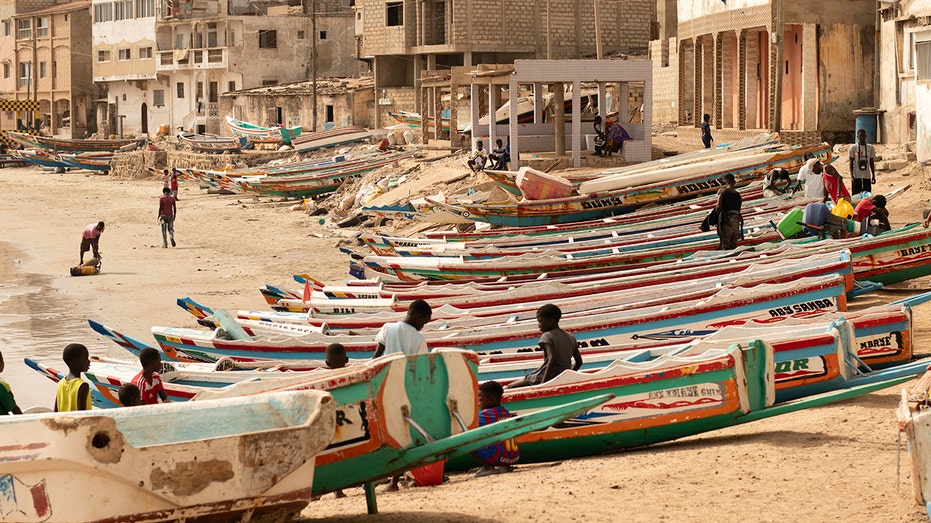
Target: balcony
[[192, 59]]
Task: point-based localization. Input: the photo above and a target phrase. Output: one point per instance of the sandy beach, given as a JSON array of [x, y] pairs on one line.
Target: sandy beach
[[837, 463]]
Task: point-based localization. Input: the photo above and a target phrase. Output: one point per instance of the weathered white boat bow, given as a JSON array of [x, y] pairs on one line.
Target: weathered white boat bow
[[236, 459]]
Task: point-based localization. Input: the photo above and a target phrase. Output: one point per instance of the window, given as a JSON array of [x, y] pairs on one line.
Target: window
[[268, 39], [103, 56], [300, 35], [6, 28], [6, 70], [180, 87], [179, 41], [54, 69], [123, 55], [212, 34], [43, 72], [200, 92], [923, 60], [394, 13], [122, 10], [158, 98], [23, 29], [145, 8], [103, 12], [269, 82], [231, 86], [42, 26], [323, 35], [145, 53], [25, 73]]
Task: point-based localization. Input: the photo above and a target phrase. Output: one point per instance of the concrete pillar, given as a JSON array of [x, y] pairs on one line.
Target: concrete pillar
[[418, 67], [742, 79], [717, 116], [493, 97], [559, 103], [453, 116], [602, 99], [697, 74], [809, 77], [576, 124], [513, 134], [537, 103], [623, 101], [475, 93]]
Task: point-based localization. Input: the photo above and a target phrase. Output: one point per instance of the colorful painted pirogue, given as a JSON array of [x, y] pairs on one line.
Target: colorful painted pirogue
[[914, 419], [215, 144], [619, 201], [225, 460], [71, 145], [259, 134], [308, 142]]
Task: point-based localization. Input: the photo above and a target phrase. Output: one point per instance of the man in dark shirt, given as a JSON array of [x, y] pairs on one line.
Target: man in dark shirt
[[730, 222], [167, 210]]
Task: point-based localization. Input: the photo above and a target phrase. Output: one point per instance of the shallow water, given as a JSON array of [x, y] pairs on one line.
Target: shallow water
[[37, 323]]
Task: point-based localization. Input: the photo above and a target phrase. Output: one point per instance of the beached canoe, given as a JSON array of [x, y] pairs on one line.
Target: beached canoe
[[308, 142], [259, 134], [238, 458], [48, 143], [914, 419], [215, 144]]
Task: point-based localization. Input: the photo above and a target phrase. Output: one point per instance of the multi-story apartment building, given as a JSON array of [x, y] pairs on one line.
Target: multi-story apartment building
[[182, 55], [401, 38], [45, 54], [797, 67]]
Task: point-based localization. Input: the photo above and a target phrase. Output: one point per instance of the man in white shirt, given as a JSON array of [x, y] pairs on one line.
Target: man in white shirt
[[404, 336], [862, 164], [812, 175]]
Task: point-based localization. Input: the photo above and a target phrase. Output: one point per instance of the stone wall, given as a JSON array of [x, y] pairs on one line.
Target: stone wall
[[136, 164], [665, 83]]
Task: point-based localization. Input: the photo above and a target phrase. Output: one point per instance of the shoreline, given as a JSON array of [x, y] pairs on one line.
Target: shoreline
[[825, 464]]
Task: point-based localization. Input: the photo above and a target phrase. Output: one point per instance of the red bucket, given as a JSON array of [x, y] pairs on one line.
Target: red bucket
[[428, 475]]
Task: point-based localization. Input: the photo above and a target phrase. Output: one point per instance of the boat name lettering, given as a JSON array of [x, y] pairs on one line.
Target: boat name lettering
[[341, 418], [791, 366], [913, 250], [693, 391], [701, 186], [882, 341], [344, 310], [789, 310], [605, 202]]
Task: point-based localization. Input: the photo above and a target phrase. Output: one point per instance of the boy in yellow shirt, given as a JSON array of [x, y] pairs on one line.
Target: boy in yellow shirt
[[73, 392]]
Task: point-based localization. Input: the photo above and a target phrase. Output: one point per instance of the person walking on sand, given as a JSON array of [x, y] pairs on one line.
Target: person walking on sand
[[167, 209], [706, 138], [90, 239], [730, 221], [862, 164]]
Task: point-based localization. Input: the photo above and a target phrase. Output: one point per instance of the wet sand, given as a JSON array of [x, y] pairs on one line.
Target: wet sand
[[827, 464]]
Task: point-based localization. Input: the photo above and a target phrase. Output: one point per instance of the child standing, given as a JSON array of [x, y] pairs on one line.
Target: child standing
[[706, 137], [500, 456], [7, 402], [148, 380], [73, 392], [130, 396], [560, 349]]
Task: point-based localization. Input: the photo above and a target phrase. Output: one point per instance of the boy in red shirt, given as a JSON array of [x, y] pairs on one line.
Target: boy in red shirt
[[148, 380]]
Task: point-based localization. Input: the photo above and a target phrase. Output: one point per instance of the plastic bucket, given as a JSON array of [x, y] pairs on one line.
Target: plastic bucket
[[428, 475]]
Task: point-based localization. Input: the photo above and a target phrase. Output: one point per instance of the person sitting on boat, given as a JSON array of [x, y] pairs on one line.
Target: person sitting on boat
[[479, 157], [834, 187], [560, 349], [7, 401], [336, 359], [129, 395], [810, 175], [148, 380], [74, 393], [90, 239], [730, 221], [499, 156], [777, 182], [873, 208], [501, 456]]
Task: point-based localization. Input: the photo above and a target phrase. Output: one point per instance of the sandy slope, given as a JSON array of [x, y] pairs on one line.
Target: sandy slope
[[833, 463]]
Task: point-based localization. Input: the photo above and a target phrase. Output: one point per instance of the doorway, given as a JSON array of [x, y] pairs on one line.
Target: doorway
[[144, 117]]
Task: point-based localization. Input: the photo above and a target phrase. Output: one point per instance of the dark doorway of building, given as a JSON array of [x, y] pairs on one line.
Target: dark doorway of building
[[145, 118]]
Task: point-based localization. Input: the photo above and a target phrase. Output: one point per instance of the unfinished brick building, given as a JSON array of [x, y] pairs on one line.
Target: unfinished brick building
[[799, 67]]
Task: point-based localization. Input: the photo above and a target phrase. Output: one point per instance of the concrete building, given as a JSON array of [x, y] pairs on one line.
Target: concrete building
[[166, 62], [905, 71], [401, 38], [51, 62], [798, 68], [340, 102]]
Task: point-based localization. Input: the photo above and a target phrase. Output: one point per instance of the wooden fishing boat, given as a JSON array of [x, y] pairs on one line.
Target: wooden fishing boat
[[656, 403], [40, 157], [11, 159], [215, 144], [603, 326], [330, 138], [914, 419], [259, 134], [70, 145], [231, 459], [88, 161], [600, 204], [415, 121]]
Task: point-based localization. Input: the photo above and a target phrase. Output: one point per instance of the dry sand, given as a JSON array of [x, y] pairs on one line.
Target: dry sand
[[827, 464]]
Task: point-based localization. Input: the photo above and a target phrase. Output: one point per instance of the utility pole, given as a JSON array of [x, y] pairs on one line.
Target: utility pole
[[313, 50]]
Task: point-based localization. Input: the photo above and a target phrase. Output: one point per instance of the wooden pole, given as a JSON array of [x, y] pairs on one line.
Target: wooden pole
[[313, 45], [598, 53]]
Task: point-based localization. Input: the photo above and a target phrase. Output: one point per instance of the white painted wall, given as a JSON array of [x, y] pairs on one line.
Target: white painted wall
[[692, 9]]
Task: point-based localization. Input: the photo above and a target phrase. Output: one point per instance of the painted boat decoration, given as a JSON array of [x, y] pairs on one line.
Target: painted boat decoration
[[215, 144], [259, 134], [39, 157], [260, 467], [88, 161], [415, 121], [330, 138], [620, 201]]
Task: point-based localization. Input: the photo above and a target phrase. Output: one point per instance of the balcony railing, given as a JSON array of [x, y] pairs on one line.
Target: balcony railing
[[179, 59]]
